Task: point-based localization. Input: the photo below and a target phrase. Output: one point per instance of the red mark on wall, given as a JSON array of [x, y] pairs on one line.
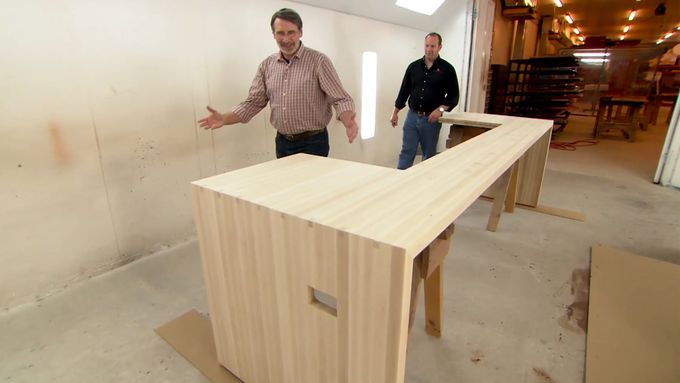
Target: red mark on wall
[[60, 153]]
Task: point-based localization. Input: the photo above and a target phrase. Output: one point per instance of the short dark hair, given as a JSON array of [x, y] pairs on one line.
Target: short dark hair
[[288, 15], [435, 34]]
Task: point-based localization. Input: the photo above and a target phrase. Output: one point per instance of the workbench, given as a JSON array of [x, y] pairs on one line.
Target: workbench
[[619, 113], [312, 264]]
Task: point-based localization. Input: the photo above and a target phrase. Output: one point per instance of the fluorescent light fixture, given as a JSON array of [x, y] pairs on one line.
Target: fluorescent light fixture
[[668, 35], [569, 19], [632, 15], [659, 41], [582, 39], [558, 3], [622, 37], [576, 31], [369, 71], [594, 61], [591, 54], [626, 29], [426, 7]]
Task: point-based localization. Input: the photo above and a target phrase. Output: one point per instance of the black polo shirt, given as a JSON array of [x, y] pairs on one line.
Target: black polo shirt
[[426, 89]]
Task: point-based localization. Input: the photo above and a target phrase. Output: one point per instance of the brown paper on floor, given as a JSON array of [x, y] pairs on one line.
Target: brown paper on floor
[[191, 336], [634, 319]]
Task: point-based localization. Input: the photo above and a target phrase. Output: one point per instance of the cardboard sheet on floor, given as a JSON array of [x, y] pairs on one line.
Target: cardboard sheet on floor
[[633, 320], [191, 336]]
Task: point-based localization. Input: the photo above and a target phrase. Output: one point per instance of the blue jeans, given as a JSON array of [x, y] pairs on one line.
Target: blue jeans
[[418, 130], [316, 145]]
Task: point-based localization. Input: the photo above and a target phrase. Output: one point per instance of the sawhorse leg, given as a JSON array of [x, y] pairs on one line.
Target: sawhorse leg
[[428, 266], [500, 194]]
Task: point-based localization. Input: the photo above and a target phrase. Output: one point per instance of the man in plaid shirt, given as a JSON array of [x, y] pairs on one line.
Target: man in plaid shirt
[[300, 85]]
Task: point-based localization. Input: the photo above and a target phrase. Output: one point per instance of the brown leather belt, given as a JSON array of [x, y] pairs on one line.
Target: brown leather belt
[[301, 136]]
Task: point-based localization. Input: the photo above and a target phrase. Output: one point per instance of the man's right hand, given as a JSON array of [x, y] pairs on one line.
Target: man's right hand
[[214, 121]]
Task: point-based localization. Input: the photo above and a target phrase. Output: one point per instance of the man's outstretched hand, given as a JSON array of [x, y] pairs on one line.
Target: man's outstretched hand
[[214, 121]]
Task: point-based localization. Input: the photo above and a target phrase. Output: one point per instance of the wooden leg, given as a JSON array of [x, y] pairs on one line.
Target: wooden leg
[[433, 303], [511, 198], [498, 200], [415, 288]]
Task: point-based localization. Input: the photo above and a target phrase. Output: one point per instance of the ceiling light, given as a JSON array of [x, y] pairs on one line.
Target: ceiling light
[[591, 54], [659, 41], [594, 61], [582, 38], [668, 35], [569, 19], [632, 15], [622, 37], [426, 7], [576, 31], [558, 3], [626, 29]]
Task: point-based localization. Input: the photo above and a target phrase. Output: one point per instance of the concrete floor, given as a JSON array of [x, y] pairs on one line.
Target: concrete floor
[[514, 299]]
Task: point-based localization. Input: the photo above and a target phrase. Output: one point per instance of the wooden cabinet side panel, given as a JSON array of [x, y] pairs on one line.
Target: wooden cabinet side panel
[[377, 283], [532, 169]]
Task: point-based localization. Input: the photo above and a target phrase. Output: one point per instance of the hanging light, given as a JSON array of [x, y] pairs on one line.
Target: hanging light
[[569, 19], [622, 37], [668, 35], [558, 3], [576, 30], [632, 15], [626, 29]]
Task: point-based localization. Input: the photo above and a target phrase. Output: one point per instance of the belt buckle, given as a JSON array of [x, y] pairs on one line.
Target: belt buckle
[[289, 137]]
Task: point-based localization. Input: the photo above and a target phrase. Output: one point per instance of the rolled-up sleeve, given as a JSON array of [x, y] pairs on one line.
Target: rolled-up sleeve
[[330, 84], [257, 97]]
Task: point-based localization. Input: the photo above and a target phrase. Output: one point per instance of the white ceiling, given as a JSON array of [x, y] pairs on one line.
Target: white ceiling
[[594, 17], [386, 10]]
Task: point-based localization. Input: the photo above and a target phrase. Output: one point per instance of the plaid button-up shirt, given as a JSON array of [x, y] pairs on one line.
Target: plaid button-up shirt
[[300, 92]]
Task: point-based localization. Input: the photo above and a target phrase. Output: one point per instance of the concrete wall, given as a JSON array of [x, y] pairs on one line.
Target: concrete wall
[[98, 109]]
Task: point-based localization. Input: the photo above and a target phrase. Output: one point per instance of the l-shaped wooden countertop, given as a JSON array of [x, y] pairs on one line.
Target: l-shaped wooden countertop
[[402, 208]]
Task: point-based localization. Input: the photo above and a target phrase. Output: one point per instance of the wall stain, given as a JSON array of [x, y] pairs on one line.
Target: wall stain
[[60, 153], [543, 376], [476, 356], [576, 314]]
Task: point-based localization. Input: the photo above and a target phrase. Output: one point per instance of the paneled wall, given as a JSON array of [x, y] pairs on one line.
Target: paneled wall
[[98, 106]]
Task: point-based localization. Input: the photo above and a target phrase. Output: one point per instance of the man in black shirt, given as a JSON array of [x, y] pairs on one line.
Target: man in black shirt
[[431, 87]]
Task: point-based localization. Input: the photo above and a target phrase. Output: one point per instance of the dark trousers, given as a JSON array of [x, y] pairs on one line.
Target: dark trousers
[[316, 145]]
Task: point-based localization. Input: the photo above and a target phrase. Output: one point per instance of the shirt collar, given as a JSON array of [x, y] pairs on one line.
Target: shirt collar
[[434, 63], [297, 55]]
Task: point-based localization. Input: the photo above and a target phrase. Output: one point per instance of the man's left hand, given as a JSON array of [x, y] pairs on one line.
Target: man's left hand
[[347, 119]]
